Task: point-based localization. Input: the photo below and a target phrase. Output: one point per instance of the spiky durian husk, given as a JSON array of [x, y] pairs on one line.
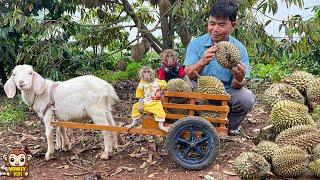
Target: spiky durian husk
[[314, 167], [228, 55], [178, 85], [184, 36], [210, 85], [313, 91], [294, 132], [286, 114], [316, 151], [266, 149], [289, 161], [146, 45], [306, 141], [250, 165], [164, 6], [137, 51], [282, 91], [300, 80]]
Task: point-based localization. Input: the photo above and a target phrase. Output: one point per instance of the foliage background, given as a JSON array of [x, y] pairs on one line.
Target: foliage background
[[60, 47]]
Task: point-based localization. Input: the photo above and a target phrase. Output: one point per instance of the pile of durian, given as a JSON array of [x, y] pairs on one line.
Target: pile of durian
[[206, 85], [295, 150]]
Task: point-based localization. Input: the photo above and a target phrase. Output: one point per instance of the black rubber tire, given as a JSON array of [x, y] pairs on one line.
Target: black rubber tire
[[175, 142]]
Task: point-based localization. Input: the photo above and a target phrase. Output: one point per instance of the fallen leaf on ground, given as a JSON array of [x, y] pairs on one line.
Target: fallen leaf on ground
[[143, 165], [152, 175], [208, 177], [29, 123], [229, 173], [118, 170], [63, 166], [128, 168], [149, 160]]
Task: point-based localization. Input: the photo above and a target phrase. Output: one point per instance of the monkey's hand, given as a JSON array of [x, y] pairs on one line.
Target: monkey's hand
[[140, 109]]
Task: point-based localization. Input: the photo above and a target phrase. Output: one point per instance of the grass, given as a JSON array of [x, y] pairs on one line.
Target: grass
[[12, 112]]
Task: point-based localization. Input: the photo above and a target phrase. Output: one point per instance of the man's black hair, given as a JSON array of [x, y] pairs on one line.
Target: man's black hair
[[225, 9]]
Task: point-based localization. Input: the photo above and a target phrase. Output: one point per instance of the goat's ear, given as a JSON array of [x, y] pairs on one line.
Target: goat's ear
[[10, 88], [39, 83]]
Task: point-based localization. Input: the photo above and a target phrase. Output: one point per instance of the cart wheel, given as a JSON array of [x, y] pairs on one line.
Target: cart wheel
[[193, 143]]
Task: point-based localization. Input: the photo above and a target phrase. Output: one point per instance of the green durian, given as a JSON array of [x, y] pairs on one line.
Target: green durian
[[266, 149], [286, 114], [250, 165], [289, 161], [282, 91], [227, 54], [314, 167], [300, 80]]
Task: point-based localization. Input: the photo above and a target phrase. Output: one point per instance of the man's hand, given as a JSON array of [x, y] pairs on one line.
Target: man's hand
[[239, 72], [208, 55]]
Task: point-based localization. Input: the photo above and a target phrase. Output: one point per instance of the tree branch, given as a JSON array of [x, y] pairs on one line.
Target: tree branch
[[155, 44]]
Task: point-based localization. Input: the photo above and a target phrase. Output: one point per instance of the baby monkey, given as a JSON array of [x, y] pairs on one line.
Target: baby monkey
[[170, 68], [149, 94]]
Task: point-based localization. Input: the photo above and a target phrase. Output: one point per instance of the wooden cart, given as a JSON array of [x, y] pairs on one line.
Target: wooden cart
[[192, 141]]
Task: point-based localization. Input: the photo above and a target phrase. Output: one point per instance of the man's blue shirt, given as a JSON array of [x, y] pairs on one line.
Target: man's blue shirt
[[198, 46]]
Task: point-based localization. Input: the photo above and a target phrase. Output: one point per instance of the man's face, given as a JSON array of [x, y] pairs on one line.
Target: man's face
[[220, 28]]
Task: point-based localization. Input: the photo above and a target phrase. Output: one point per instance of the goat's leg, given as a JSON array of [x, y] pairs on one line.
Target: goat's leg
[[58, 139], [99, 117], [114, 135], [64, 139], [49, 134]]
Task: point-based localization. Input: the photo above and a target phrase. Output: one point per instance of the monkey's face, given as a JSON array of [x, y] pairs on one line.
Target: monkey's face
[[146, 75], [17, 160], [170, 59]]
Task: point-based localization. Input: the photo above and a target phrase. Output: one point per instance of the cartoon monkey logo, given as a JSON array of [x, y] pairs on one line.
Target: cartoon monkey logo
[[17, 163]]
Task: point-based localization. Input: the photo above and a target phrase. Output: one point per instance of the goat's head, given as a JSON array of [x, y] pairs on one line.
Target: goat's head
[[24, 78]]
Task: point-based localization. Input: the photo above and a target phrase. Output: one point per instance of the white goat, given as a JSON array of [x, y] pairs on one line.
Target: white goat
[[78, 98]]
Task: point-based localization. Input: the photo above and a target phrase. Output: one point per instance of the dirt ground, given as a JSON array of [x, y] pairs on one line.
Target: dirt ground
[[139, 157]]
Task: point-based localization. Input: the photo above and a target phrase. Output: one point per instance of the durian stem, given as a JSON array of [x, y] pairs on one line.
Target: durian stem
[[196, 73], [267, 127]]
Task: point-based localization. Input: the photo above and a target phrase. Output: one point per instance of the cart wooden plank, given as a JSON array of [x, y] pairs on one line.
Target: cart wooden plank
[[197, 107], [109, 128], [197, 95]]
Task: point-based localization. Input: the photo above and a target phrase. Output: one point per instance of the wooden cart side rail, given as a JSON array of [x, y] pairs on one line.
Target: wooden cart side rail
[[196, 107], [197, 95], [108, 128], [211, 120]]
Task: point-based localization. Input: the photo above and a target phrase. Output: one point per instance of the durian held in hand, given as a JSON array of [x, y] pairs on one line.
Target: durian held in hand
[[227, 54]]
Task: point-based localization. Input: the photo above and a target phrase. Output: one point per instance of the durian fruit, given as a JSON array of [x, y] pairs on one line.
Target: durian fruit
[[164, 6], [299, 80], [266, 149], [286, 114], [303, 136], [316, 115], [137, 51], [250, 165], [314, 167], [210, 85], [282, 91], [185, 36], [289, 161], [313, 91], [316, 151], [146, 45], [178, 85], [122, 65], [227, 54]]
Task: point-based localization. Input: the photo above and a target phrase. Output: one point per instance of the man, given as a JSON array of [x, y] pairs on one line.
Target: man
[[200, 57]]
